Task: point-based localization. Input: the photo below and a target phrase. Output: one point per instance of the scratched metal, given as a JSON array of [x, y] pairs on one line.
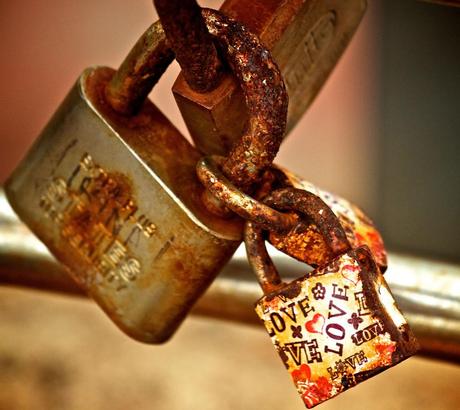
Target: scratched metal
[[116, 200]]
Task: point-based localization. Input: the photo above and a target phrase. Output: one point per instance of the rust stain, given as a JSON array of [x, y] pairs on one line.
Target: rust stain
[[302, 240], [313, 210], [265, 95], [140, 71], [193, 46], [166, 151], [102, 205]]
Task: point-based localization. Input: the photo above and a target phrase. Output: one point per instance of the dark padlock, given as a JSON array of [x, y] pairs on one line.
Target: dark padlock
[[110, 188], [338, 325]]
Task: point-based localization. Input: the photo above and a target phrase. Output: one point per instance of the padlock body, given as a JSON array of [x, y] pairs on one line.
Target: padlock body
[[337, 326], [305, 242], [116, 200]]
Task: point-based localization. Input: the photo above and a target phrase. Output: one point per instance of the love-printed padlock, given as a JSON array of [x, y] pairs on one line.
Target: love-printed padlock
[[305, 243], [338, 325]]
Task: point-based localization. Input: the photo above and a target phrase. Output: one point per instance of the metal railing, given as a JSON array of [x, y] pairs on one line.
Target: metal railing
[[427, 291]]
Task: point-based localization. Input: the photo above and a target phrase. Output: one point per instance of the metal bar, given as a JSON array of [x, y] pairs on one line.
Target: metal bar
[[427, 291], [140, 71]]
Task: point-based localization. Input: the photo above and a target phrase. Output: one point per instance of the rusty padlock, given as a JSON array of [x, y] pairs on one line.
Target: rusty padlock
[[110, 188], [306, 38], [338, 325]]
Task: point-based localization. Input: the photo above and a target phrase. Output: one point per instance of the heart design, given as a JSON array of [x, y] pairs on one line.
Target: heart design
[[350, 272], [316, 325]]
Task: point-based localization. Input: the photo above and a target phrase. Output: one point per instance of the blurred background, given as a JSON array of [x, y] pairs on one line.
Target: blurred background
[[388, 121]]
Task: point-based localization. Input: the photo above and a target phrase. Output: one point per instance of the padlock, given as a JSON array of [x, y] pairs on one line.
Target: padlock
[[305, 243], [306, 38], [336, 326], [116, 199]]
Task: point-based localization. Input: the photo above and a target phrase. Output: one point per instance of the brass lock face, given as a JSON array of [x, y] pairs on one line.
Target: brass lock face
[[116, 200], [306, 244], [337, 326]]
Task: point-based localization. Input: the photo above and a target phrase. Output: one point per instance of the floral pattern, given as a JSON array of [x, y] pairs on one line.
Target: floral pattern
[[355, 320], [385, 352], [319, 291], [312, 392]]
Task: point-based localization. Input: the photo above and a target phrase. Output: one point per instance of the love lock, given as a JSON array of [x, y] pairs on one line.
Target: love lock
[[339, 324]]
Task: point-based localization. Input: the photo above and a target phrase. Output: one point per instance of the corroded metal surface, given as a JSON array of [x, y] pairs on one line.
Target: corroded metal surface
[[247, 207], [259, 76], [310, 206], [298, 238], [301, 240], [336, 327], [267, 275], [265, 96], [313, 210], [117, 200], [306, 37], [140, 71], [187, 33]]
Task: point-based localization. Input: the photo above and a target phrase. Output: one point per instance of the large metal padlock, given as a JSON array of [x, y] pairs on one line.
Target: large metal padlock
[[338, 325], [116, 199]]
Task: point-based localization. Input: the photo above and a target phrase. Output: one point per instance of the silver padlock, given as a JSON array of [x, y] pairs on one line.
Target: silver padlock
[[110, 188]]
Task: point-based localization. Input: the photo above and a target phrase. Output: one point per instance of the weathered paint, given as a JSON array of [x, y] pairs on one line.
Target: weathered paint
[[336, 327]]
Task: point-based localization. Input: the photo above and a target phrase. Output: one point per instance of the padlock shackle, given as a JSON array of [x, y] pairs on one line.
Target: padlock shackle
[[193, 46], [152, 54], [140, 71], [259, 76], [261, 264], [309, 206], [219, 187], [315, 210], [265, 95]]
